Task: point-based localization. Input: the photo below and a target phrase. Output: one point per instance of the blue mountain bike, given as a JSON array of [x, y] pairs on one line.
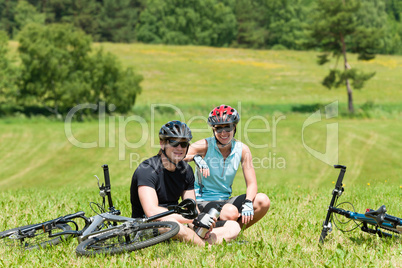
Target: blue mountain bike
[[372, 221]]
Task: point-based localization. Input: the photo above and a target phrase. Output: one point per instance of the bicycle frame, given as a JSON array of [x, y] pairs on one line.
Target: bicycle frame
[[98, 220], [387, 222]]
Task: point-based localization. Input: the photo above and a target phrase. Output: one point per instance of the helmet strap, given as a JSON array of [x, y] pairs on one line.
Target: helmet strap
[[223, 145], [164, 153]]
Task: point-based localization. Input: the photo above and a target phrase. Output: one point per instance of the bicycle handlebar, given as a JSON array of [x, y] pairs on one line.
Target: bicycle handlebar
[[339, 183], [107, 189], [339, 166], [106, 176], [186, 208]]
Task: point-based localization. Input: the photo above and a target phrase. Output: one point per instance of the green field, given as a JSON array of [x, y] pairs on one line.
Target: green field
[[275, 92], [38, 154]]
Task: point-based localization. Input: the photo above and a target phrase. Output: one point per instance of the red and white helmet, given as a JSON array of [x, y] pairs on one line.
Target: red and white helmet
[[223, 115]]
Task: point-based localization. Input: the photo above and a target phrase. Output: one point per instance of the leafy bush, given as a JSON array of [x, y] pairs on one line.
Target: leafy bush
[[58, 72], [8, 72], [187, 22]]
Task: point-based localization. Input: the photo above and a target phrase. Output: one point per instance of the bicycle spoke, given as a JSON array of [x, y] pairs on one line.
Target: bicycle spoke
[[129, 239], [115, 242], [35, 238]]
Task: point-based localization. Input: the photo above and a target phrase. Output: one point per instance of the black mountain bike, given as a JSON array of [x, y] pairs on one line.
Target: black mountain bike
[[105, 233], [381, 223]]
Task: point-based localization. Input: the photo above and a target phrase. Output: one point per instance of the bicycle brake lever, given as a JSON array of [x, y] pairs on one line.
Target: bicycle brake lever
[[102, 191], [98, 181]]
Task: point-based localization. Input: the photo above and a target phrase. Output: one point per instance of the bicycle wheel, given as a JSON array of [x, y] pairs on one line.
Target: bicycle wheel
[[35, 238], [120, 241]]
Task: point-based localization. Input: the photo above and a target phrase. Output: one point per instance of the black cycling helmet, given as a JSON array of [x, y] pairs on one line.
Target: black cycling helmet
[[223, 115], [175, 129]]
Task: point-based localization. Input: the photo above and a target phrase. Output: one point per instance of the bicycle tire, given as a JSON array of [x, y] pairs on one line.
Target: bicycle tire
[[8, 232], [37, 238], [127, 241]]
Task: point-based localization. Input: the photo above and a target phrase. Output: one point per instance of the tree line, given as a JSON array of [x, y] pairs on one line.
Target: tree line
[[263, 24], [58, 70]]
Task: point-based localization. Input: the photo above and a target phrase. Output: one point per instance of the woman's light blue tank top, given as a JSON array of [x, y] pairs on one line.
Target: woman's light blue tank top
[[218, 185]]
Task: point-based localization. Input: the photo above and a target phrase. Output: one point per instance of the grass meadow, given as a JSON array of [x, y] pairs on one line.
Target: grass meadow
[[46, 172]]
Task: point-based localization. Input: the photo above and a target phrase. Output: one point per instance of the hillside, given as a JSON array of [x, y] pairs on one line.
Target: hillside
[[48, 166]]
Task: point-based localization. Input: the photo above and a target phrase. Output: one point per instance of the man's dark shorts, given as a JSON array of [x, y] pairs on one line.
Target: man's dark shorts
[[237, 201]]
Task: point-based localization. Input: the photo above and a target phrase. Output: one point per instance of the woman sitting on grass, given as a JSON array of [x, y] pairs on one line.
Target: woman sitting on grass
[[218, 159]]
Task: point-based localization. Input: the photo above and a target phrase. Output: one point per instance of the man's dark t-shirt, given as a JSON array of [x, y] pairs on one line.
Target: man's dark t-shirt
[[169, 186]]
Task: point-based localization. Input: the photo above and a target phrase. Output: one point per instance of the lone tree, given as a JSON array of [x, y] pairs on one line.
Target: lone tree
[[336, 30]]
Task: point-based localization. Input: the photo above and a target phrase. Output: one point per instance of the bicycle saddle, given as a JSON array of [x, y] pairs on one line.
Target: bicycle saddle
[[378, 215], [187, 208]]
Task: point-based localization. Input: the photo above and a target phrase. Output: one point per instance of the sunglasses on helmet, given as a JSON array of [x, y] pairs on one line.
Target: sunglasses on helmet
[[174, 143], [221, 129]]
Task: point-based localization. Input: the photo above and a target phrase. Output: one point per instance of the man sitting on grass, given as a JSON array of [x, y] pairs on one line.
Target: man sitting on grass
[[163, 179]]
